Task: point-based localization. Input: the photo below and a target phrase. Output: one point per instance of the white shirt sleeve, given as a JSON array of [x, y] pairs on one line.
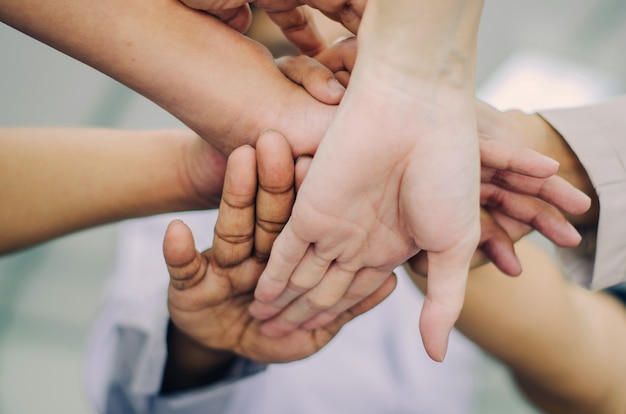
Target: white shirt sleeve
[[597, 134], [126, 352]]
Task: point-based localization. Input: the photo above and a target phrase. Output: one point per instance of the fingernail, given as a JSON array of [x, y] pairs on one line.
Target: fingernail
[[336, 87]]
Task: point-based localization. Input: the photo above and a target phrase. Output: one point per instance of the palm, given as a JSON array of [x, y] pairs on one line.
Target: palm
[[210, 292]]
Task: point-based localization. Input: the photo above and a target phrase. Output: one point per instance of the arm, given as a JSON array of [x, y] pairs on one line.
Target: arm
[[56, 181], [218, 82], [553, 335]]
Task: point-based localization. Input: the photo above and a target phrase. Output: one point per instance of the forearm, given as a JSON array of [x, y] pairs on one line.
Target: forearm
[[218, 82], [552, 335], [431, 41], [56, 181]]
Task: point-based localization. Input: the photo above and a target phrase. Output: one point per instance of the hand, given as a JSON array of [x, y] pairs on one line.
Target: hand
[[532, 131], [294, 20], [210, 292], [373, 217], [515, 180], [523, 178]]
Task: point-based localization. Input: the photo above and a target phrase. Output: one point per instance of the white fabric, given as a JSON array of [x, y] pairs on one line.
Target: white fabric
[[376, 364]]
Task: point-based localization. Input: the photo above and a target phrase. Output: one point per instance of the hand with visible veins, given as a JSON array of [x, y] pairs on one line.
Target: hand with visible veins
[[210, 292]]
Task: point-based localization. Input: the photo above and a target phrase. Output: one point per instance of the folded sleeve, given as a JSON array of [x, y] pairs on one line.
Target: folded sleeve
[[597, 135], [127, 357]]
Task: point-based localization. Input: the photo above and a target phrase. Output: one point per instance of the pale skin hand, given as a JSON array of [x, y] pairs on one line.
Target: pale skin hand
[[325, 246], [210, 292], [516, 182]]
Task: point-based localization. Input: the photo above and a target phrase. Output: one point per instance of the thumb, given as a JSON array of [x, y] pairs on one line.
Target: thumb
[[184, 263], [447, 279]]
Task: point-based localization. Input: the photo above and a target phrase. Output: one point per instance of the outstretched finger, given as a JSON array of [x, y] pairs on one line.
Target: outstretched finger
[[544, 217], [234, 230], [287, 251], [184, 264], [275, 194], [447, 279], [554, 190], [501, 155]]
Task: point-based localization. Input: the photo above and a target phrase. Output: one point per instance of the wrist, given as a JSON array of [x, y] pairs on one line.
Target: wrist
[[434, 41], [190, 364], [201, 169]]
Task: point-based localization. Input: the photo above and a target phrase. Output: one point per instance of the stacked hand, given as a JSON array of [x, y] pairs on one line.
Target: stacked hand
[[368, 205], [210, 292]]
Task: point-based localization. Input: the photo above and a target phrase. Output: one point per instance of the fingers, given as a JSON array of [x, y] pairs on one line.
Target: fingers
[[298, 26], [546, 218], [554, 190], [275, 194], [184, 264], [447, 278], [306, 276], [317, 79], [500, 155], [234, 230], [380, 294], [340, 56], [288, 249], [325, 295], [365, 282], [497, 245]]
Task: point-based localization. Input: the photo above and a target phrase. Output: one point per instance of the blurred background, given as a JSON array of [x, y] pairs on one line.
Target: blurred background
[[532, 54]]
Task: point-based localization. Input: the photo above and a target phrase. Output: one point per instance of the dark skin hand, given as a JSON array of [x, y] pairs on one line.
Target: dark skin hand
[[210, 292]]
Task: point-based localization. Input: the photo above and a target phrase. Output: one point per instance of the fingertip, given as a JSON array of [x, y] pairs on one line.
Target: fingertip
[[336, 90], [267, 290], [178, 245], [434, 336]]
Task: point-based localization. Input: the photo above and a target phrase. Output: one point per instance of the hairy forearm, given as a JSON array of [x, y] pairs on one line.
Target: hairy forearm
[[56, 181], [218, 82]]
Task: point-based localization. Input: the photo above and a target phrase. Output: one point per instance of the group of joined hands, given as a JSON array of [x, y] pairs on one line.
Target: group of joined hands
[[285, 273]]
